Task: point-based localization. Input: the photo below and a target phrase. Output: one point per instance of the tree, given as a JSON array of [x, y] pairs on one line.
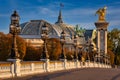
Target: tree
[[32, 53], [5, 46], [113, 44], [54, 48], [79, 30], [69, 54], [111, 56]]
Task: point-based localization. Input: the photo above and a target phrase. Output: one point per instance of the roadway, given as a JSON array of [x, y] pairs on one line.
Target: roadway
[[75, 74]]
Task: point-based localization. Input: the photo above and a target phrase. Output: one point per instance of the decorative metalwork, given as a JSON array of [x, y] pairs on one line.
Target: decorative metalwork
[[62, 39], [44, 37], [14, 30], [75, 43]]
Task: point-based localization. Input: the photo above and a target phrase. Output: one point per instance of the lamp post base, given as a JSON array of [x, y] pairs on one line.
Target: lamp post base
[[16, 64], [46, 64], [44, 59]]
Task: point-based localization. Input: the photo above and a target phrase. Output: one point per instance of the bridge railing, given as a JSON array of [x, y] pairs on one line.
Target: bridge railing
[[22, 68], [6, 69]]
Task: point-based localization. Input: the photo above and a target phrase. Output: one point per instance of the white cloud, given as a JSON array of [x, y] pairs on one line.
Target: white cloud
[[115, 23], [82, 11], [5, 30], [47, 11], [83, 16], [112, 10], [4, 15]]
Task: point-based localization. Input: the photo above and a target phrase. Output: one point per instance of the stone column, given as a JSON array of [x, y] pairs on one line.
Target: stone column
[[98, 40], [105, 41], [102, 27]]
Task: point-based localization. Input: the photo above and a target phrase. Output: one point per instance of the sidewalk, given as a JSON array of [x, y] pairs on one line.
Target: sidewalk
[[76, 74]]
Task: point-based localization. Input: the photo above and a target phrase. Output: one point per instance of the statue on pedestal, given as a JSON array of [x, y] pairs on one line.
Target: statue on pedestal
[[102, 13]]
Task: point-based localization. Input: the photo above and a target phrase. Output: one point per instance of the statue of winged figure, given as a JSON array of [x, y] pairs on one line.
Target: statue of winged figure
[[101, 13]]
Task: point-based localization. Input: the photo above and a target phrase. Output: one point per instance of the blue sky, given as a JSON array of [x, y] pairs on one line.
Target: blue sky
[[74, 12]]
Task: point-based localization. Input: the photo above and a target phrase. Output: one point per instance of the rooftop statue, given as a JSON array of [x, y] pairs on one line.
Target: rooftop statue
[[101, 13], [79, 30]]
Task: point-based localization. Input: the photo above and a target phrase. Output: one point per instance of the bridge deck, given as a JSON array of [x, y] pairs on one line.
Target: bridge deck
[[76, 74]]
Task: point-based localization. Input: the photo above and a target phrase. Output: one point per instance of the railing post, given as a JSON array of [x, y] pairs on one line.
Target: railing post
[[47, 65], [47, 62], [32, 67], [76, 63], [17, 65], [12, 69], [64, 63]]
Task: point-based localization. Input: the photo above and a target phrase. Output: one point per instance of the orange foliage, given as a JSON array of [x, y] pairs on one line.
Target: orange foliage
[[5, 46], [111, 55], [54, 48]]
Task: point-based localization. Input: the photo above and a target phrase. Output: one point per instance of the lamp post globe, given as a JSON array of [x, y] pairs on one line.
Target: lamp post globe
[[14, 30]]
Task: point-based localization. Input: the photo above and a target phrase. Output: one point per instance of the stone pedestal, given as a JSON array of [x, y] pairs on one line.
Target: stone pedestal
[[65, 63], [102, 37], [76, 63], [46, 64], [16, 65]]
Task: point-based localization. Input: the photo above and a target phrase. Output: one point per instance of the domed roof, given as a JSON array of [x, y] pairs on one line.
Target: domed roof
[[32, 30], [33, 27]]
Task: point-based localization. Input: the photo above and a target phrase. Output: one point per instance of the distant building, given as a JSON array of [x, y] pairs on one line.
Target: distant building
[[31, 31]]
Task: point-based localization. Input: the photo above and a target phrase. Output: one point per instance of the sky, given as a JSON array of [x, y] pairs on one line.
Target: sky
[[74, 12]]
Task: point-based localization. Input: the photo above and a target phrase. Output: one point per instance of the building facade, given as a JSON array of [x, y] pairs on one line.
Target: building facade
[[31, 31]]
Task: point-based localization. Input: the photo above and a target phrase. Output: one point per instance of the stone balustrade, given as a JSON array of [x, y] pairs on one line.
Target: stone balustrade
[[8, 69]]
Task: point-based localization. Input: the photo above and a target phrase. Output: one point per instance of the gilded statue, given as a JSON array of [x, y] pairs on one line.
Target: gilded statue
[[101, 13]]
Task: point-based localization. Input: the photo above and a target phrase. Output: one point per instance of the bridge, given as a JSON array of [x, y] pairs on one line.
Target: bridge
[[23, 68]]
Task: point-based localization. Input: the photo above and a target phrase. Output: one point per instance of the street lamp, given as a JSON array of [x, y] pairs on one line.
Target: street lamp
[[14, 30], [0, 42], [62, 40], [88, 49], [92, 51], [75, 47], [102, 56], [98, 55], [44, 36]]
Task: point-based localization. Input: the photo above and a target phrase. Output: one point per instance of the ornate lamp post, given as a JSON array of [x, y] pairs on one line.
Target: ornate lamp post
[[75, 47], [88, 50], [92, 50], [44, 36], [14, 30], [62, 40], [0, 42], [102, 56]]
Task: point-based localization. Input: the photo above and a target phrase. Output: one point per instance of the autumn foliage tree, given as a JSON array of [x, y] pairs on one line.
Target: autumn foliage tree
[[32, 53], [111, 56], [5, 46], [115, 50], [54, 48]]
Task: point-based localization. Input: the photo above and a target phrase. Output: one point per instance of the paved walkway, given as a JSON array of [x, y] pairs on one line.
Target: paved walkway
[[76, 74]]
